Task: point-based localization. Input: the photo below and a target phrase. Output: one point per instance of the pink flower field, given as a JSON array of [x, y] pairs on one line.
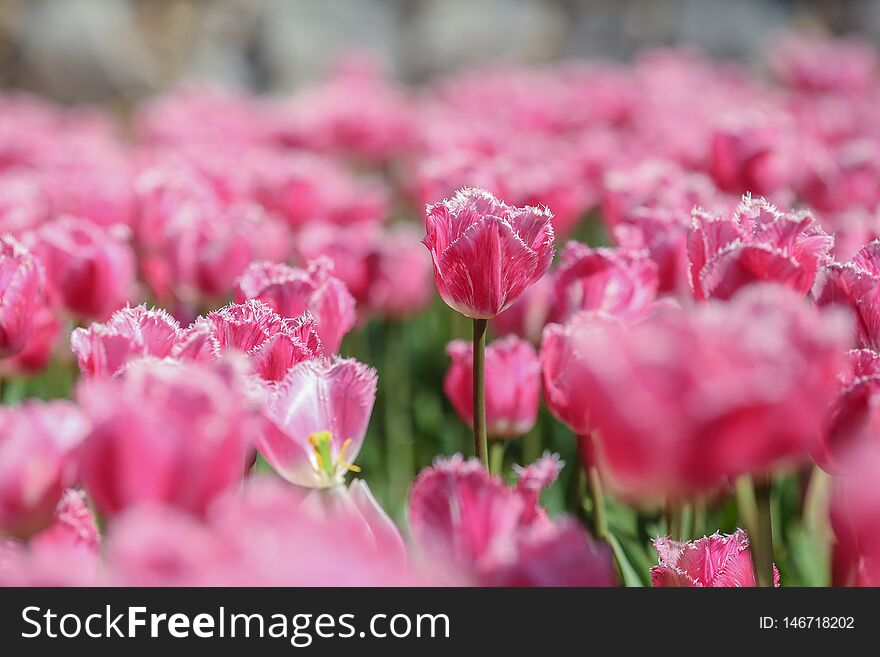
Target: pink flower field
[[592, 323]]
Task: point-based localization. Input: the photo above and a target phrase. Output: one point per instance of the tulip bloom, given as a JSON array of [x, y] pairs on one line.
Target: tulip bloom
[[512, 386], [319, 415], [164, 432], [855, 508], [855, 285], [271, 344], [290, 292], [21, 284], [854, 418], [400, 273], [758, 243], [36, 443], [528, 314], [471, 523], [89, 270], [130, 333], [711, 561], [610, 281], [687, 400], [486, 253]]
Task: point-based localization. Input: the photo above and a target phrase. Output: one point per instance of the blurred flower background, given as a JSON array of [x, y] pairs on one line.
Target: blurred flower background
[[258, 171]]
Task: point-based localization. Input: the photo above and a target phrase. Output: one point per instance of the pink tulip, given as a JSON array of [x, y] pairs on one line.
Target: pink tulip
[[712, 561], [610, 281], [164, 432], [686, 400], [513, 383], [854, 417], [36, 441], [472, 525], [856, 286], [486, 253], [855, 519], [89, 270], [66, 553], [759, 243], [21, 284], [561, 369], [130, 333], [272, 345], [319, 415], [73, 526], [39, 348], [291, 292]]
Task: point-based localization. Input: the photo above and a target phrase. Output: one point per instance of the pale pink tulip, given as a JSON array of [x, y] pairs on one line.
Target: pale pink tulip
[[712, 561], [319, 415]]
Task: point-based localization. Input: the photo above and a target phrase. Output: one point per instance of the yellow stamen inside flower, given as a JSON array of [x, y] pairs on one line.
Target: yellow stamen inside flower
[[324, 462]]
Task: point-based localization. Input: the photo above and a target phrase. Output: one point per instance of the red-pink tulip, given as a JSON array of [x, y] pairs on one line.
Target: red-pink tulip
[[319, 415], [89, 270], [130, 333], [758, 243], [855, 519], [712, 561], [854, 416], [291, 292], [271, 343], [39, 348], [486, 253], [472, 525], [855, 285], [686, 400], [609, 281], [21, 284], [164, 432], [561, 368], [36, 442], [513, 383]]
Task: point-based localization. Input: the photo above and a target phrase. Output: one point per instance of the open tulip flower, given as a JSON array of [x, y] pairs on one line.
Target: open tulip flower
[[757, 243], [318, 419]]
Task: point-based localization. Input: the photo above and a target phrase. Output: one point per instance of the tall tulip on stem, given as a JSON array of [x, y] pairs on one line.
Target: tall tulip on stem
[[485, 255]]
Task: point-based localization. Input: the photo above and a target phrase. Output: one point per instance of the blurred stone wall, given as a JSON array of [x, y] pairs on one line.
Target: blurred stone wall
[[96, 50]]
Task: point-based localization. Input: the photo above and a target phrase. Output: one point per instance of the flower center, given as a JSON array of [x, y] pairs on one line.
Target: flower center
[[321, 443]]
